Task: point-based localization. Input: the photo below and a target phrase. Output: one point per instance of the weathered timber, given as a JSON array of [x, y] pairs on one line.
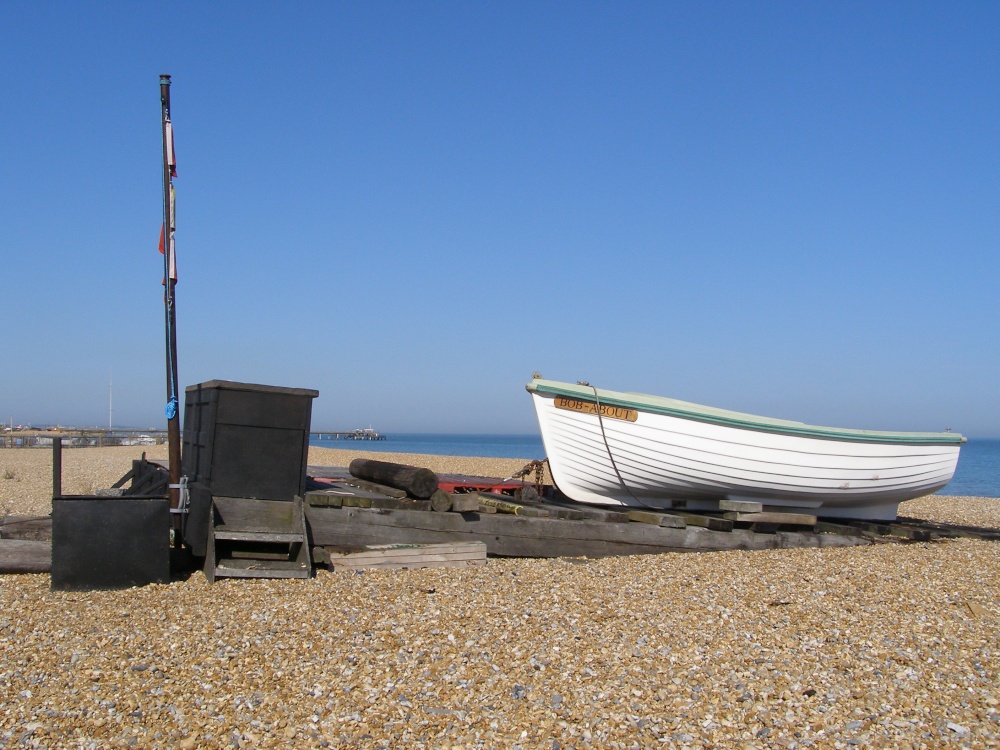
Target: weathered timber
[[25, 556], [382, 489], [712, 523], [413, 556], [34, 528], [354, 501], [775, 518], [588, 511], [567, 514], [418, 482], [504, 504], [954, 530], [660, 519], [741, 506], [910, 532], [440, 501], [464, 503], [325, 498], [518, 536], [826, 527]]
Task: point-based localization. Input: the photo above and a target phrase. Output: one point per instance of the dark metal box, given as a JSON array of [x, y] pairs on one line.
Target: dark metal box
[[247, 440], [109, 542]]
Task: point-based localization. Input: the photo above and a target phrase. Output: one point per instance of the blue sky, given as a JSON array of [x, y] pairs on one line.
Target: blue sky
[[782, 208]]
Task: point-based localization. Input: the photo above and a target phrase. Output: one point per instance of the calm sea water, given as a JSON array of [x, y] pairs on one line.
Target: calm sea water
[[978, 472]]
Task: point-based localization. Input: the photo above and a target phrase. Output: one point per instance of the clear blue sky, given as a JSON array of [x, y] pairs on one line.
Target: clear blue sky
[[788, 209]]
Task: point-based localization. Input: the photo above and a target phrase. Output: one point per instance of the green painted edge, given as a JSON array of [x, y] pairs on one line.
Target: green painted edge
[[684, 410]]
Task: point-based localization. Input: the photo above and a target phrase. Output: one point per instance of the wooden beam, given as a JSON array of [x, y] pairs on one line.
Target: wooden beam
[[657, 519], [25, 556], [706, 522], [781, 519], [418, 482], [740, 506], [413, 556]]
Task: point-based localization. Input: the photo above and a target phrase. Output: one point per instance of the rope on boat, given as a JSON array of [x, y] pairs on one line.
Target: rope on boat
[[600, 423]]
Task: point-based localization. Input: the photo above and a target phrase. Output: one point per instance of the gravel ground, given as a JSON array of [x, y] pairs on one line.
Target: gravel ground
[[891, 645]]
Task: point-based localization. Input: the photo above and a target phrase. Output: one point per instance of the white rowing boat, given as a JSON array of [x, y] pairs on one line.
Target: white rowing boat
[[630, 449]]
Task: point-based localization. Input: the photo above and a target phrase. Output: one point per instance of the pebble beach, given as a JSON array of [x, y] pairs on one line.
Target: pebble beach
[[889, 645]]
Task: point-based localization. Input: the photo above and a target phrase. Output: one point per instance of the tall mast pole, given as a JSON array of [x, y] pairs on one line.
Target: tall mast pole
[[172, 409]]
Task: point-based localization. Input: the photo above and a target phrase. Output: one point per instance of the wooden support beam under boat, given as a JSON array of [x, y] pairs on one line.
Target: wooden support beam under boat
[[518, 536]]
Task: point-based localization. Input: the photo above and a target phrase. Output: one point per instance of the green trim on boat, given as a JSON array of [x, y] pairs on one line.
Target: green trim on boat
[[684, 410]]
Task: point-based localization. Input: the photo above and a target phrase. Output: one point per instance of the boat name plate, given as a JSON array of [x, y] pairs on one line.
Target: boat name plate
[[588, 407]]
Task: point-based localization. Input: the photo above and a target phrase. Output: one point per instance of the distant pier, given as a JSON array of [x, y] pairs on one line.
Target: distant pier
[[366, 433]]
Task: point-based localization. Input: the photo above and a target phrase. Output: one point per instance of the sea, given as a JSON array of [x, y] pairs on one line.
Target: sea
[[978, 472]]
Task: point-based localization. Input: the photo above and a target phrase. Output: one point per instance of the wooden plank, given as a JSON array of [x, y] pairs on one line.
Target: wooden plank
[[353, 501], [706, 522], [826, 527], [740, 506], [590, 512], [325, 498], [453, 554], [910, 532], [517, 536], [34, 528], [381, 489], [770, 517], [657, 519], [25, 556]]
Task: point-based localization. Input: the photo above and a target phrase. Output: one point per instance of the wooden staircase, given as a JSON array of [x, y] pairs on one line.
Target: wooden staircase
[[250, 538]]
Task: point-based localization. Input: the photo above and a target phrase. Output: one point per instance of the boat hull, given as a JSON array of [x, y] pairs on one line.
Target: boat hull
[[608, 450]]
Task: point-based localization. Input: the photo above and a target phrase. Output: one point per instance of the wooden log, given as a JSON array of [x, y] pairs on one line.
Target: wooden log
[[504, 505], [420, 483], [464, 503], [440, 501], [25, 556], [657, 519]]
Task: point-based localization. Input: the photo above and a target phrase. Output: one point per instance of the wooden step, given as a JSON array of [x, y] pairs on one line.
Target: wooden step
[[257, 568], [257, 535]]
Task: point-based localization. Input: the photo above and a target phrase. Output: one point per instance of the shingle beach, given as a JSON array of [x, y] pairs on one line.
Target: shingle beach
[[889, 645]]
